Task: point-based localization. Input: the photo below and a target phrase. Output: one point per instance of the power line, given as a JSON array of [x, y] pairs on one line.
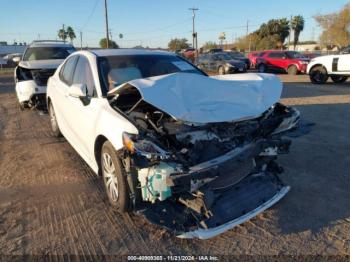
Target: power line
[[90, 16]]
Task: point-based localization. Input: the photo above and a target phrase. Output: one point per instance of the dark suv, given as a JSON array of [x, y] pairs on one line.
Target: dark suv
[[221, 63]]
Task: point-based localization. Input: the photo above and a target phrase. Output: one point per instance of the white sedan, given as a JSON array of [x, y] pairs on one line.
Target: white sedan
[[191, 153]]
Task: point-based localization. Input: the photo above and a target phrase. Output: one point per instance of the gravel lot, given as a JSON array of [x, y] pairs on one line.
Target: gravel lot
[[52, 203]]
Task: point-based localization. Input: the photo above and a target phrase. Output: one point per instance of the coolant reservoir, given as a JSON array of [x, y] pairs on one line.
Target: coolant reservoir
[[153, 181]]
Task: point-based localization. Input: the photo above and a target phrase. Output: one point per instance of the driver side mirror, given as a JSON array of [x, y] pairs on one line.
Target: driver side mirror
[[78, 90]]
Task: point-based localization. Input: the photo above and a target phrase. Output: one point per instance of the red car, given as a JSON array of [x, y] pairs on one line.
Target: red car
[[291, 62], [252, 58]]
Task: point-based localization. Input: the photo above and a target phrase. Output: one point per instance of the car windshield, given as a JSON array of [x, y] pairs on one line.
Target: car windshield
[[46, 53], [294, 55], [223, 56], [116, 70], [236, 55]]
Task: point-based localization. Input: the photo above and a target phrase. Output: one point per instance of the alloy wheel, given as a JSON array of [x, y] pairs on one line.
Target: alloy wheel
[[110, 177]]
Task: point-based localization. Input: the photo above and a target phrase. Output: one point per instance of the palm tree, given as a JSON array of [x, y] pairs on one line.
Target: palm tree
[[297, 24], [62, 34], [70, 33]]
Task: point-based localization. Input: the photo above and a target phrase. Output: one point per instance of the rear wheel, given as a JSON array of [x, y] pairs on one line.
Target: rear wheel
[[221, 70], [262, 68], [318, 75], [292, 70], [53, 120], [339, 79], [114, 178]]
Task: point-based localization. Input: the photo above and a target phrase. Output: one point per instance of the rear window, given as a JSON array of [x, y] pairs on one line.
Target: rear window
[[116, 70], [47, 53]]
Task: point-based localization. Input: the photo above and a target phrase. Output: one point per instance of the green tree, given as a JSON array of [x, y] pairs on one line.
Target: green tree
[[111, 43], [62, 34], [297, 24], [336, 30], [178, 43], [270, 35], [70, 33], [209, 45]]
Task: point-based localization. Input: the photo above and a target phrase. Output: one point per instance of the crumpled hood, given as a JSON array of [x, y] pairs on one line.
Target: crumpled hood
[[41, 64], [200, 99]]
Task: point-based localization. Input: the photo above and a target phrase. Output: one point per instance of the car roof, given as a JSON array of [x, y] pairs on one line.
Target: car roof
[[128, 51], [50, 44]]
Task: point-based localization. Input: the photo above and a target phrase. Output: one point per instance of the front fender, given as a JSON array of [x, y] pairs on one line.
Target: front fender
[[111, 124]]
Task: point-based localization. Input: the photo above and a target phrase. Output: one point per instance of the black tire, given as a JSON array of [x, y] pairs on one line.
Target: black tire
[[339, 79], [23, 105], [53, 120], [318, 75], [292, 70], [114, 178], [262, 68], [221, 70]]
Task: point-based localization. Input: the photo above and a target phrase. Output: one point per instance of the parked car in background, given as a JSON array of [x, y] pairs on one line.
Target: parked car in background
[[337, 67], [189, 53], [291, 62], [252, 56], [38, 63], [221, 63], [213, 50], [239, 56], [191, 153]]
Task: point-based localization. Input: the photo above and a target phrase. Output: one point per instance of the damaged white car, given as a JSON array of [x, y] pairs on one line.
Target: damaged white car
[[191, 153], [39, 62]]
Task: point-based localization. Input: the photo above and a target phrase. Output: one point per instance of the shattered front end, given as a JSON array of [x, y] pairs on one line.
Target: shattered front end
[[201, 179]]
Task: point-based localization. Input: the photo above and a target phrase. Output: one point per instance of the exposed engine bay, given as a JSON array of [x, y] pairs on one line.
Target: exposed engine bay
[[196, 178]]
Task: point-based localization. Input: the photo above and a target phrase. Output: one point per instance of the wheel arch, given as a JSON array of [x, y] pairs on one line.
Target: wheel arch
[[99, 141], [315, 65]]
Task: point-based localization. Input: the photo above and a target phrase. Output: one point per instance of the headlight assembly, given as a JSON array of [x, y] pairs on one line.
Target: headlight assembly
[[143, 147]]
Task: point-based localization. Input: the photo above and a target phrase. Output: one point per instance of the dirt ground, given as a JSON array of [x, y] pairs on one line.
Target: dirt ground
[[52, 203]]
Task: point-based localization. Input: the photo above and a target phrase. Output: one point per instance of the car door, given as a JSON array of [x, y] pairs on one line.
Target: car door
[[341, 64], [83, 111], [60, 101], [213, 63], [277, 60], [204, 62]]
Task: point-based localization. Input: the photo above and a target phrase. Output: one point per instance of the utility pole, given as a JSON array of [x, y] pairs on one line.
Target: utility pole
[[107, 30], [250, 40], [194, 34], [81, 40], [64, 33]]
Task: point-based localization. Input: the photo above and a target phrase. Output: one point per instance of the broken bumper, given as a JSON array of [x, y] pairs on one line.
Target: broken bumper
[[212, 232], [26, 90]]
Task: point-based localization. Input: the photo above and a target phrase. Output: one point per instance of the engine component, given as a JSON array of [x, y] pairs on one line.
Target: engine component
[[153, 181]]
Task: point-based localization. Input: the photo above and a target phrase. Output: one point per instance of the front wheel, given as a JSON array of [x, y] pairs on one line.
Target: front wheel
[[114, 178], [339, 79], [318, 75], [53, 120]]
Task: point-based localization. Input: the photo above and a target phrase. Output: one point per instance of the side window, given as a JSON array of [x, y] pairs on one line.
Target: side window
[[67, 70], [83, 75], [277, 55]]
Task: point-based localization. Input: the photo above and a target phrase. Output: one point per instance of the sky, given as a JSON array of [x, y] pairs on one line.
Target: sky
[[152, 22]]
